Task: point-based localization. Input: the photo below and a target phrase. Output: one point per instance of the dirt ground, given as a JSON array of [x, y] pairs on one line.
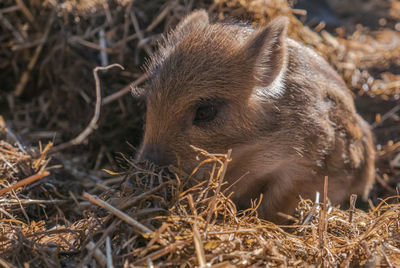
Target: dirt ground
[[66, 204]]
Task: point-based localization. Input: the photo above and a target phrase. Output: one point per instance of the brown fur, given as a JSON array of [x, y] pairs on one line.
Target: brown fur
[[287, 115]]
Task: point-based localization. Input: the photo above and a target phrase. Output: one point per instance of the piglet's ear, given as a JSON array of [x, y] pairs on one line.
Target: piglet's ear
[[265, 52], [194, 20]]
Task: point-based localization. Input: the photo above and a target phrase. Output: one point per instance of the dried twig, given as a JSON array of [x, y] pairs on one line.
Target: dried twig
[[353, 199], [19, 89], [125, 90], [198, 244], [104, 236], [6, 264], [91, 45], [220, 180], [125, 35], [322, 220], [125, 217], [26, 181], [159, 253], [27, 13], [108, 251], [97, 254], [93, 122], [9, 9], [103, 46], [21, 156], [10, 27], [386, 116], [139, 33], [161, 16], [136, 199], [10, 201]]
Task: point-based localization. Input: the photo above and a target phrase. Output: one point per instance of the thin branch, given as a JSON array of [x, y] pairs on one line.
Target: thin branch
[[27, 13], [161, 16], [97, 254], [103, 237], [108, 252], [26, 181], [215, 197], [123, 216], [353, 199], [198, 245], [6, 264], [139, 32], [159, 253], [93, 123], [125, 35], [11, 28], [25, 76], [125, 90], [322, 217], [386, 116], [9, 9], [103, 51], [83, 42], [135, 199]]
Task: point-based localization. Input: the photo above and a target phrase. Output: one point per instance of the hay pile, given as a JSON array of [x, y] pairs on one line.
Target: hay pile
[[152, 220], [63, 210]]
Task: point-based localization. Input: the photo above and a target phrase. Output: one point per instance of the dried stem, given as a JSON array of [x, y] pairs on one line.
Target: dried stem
[[26, 181], [97, 254], [93, 122], [27, 13], [353, 199], [125, 90], [386, 116], [25, 76], [220, 180], [104, 236], [123, 216]]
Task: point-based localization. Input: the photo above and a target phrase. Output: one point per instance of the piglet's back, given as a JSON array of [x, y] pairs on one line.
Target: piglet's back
[[334, 135]]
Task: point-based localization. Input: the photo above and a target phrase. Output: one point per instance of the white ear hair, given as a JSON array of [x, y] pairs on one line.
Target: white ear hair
[[274, 90], [198, 18]]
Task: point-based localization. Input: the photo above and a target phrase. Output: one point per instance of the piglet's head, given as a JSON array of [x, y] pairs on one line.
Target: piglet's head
[[205, 87]]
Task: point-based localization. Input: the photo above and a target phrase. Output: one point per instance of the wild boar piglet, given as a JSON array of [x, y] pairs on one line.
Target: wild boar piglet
[[286, 114]]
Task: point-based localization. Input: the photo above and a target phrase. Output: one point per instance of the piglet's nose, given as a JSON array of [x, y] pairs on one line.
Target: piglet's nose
[[155, 154]]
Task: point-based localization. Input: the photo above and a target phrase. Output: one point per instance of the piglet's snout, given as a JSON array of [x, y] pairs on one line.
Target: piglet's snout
[[156, 153]]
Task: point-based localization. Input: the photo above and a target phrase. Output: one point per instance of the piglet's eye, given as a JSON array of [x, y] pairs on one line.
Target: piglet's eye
[[205, 113]]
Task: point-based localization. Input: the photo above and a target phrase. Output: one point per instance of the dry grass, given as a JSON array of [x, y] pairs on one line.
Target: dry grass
[[155, 220], [55, 212]]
